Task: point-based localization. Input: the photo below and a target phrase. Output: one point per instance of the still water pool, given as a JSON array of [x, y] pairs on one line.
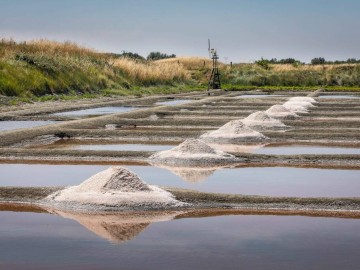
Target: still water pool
[[45, 241], [269, 181], [96, 111], [174, 102], [112, 147], [11, 125], [306, 150]]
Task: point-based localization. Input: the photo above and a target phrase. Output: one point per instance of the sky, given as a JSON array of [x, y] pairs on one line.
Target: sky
[[241, 30]]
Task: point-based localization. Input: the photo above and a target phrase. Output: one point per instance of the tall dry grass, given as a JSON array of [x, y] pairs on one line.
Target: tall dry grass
[[149, 73], [189, 63], [45, 47], [289, 67]]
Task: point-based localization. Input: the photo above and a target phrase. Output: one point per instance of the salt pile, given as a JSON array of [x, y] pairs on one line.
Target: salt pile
[[302, 99], [304, 104], [114, 187], [280, 112], [262, 121], [192, 152], [295, 107], [233, 132]]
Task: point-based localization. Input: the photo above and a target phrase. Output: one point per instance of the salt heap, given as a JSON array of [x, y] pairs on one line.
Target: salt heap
[[114, 187], [280, 112], [262, 121], [233, 132], [304, 104], [192, 152], [295, 107], [302, 99]]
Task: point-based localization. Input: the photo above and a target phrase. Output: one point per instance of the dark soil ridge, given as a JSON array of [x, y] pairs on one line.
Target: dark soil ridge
[[142, 156], [202, 200]]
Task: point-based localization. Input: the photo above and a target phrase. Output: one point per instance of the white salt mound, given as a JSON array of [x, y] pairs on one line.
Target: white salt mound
[[114, 187], [295, 107], [306, 99], [304, 104], [192, 152], [281, 112], [233, 132], [261, 120]]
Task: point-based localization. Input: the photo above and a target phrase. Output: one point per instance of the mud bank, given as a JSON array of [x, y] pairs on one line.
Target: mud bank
[[31, 196]]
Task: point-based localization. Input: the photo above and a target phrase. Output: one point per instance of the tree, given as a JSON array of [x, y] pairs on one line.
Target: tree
[[158, 55], [318, 61]]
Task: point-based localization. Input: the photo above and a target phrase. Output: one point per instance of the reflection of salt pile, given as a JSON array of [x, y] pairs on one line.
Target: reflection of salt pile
[[303, 99], [192, 152], [233, 132], [118, 227], [261, 121], [237, 148], [280, 112], [191, 174], [114, 187]]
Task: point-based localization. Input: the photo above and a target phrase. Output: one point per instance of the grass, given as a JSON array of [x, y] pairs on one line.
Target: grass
[[45, 70]]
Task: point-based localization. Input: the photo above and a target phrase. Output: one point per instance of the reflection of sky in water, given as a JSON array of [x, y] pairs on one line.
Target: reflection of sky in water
[[96, 111], [10, 125], [174, 102], [258, 96], [120, 147], [44, 241], [276, 181], [338, 96], [303, 150]]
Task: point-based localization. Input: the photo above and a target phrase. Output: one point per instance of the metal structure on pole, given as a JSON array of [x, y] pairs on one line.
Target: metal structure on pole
[[214, 82]]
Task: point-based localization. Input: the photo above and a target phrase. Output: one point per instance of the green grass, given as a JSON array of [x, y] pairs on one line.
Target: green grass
[[45, 70]]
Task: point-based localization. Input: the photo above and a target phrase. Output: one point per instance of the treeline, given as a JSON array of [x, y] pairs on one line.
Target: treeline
[[315, 61], [322, 61], [152, 56]]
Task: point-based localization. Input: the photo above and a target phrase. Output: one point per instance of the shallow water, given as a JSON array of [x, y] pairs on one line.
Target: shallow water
[[306, 150], [11, 125], [267, 181], [174, 102], [116, 147], [97, 111], [44, 241], [258, 96], [339, 96]]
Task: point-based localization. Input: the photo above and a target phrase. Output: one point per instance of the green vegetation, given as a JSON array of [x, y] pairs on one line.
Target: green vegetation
[[46, 70], [158, 56]]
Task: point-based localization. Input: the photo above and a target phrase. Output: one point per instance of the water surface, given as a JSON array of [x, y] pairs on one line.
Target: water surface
[[44, 241], [11, 125], [174, 102], [339, 96], [257, 96], [306, 150], [97, 111], [269, 181], [115, 147]]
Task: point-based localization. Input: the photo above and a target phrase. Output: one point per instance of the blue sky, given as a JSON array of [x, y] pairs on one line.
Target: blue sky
[[241, 30]]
